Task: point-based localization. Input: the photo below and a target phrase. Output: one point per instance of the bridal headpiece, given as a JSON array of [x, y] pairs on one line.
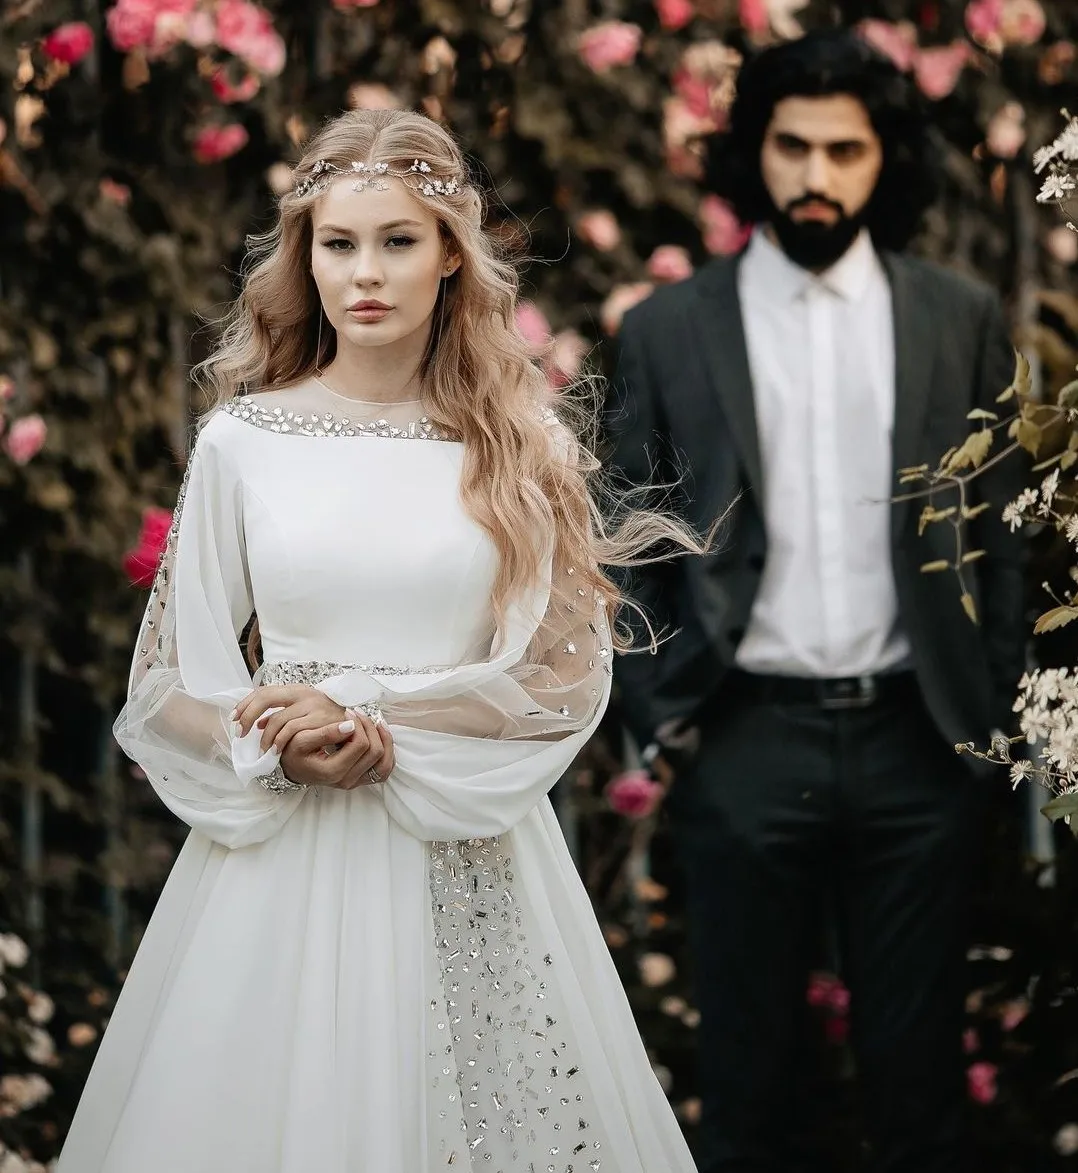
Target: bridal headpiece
[[374, 175]]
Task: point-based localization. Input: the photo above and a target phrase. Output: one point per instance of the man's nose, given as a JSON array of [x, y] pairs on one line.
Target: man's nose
[[818, 173]]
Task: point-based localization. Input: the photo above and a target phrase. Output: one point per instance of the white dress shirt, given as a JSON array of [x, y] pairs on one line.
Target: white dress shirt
[[822, 357]]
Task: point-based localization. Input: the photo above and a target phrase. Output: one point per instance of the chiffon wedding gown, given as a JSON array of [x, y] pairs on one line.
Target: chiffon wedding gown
[[402, 978]]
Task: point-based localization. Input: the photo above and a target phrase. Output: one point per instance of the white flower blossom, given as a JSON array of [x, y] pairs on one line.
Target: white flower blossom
[[13, 950], [39, 1046], [1055, 187], [1019, 771], [1035, 725], [1067, 143], [1050, 486], [1044, 156], [1066, 1140], [1012, 516], [41, 1008]]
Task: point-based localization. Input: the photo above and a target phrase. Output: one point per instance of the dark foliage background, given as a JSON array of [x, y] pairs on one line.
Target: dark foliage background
[[121, 233]]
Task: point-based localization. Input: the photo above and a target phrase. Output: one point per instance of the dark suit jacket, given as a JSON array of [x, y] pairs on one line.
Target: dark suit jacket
[[682, 407]]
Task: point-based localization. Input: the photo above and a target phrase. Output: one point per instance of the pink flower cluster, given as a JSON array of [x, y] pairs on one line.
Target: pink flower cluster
[[935, 69], [140, 564], [68, 43], [214, 143], [674, 14], [634, 794], [724, 234], [998, 23], [238, 26], [609, 44], [26, 438], [827, 993]]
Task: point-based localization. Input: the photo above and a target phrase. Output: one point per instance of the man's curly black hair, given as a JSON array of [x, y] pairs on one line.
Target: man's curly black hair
[[818, 65]]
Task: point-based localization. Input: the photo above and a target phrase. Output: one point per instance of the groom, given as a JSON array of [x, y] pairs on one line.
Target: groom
[[815, 681]]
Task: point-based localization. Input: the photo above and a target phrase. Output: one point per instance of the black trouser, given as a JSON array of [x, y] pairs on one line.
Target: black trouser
[[786, 805]]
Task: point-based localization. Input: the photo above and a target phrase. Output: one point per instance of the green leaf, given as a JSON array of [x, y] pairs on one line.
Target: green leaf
[[969, 606], [1062, 806], [1068, 395], [930, 514], [969, 512], [932, 567], [979, 413], [972, 556]]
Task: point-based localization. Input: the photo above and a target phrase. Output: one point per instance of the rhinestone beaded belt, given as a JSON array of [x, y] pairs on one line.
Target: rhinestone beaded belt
[[313, 672]]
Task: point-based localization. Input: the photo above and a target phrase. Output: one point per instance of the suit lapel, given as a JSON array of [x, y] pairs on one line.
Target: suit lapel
[[916, 331], [721, 333]]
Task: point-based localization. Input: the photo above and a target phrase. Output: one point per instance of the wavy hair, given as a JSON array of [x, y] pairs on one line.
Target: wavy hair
[[819, 65], [521, 479]]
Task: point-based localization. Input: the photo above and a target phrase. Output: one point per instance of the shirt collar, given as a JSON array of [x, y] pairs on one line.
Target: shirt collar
[[848, 277]]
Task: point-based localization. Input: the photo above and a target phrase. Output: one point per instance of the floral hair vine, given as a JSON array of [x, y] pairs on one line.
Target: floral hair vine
[[373, 175], [1061, 159]]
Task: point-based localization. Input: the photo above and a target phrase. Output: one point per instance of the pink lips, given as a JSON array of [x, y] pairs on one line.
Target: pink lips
[[369, 310]]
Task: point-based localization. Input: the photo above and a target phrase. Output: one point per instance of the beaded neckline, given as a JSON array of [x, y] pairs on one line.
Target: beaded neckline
[[326, 424]]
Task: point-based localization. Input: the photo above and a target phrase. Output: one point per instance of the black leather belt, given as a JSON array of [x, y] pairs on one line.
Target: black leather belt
[[843, 692]]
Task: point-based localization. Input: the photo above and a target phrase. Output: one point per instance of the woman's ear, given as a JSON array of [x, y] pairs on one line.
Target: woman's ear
[[452, 264]]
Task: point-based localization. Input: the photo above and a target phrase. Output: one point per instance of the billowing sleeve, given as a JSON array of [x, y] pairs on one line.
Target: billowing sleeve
[[189, 671]]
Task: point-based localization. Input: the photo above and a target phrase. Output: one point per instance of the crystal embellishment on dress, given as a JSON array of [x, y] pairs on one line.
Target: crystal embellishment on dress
[[499, 1057], [313, 672], [325, 424]]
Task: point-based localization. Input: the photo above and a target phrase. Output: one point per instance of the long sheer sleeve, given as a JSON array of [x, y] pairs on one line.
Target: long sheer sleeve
[[189, 672]]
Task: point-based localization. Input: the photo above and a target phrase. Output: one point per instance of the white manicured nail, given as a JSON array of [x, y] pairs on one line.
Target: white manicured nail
[[347, 726]]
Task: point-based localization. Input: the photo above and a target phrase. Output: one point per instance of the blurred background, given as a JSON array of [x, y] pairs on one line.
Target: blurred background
[[142, 140]]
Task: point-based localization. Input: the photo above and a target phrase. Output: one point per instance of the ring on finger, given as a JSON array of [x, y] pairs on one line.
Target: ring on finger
[[373, 774]]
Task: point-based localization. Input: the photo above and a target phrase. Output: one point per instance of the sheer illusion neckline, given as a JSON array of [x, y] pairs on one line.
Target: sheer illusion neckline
[[384, 404]]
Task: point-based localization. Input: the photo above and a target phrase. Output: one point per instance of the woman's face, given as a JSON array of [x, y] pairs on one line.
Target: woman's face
[[378, 260]]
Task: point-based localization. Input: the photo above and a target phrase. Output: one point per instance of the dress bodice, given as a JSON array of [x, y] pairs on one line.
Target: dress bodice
[[357, 544]]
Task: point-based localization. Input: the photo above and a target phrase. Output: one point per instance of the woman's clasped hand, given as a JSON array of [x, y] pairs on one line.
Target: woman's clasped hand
[[321, 743]]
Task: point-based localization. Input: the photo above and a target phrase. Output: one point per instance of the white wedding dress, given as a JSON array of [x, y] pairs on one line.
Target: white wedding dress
[[405, 977]]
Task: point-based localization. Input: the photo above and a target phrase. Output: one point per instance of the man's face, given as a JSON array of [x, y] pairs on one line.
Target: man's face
[[820, 161]]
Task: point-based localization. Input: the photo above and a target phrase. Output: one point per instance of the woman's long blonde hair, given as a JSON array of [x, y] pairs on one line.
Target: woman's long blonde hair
[[481, 378]]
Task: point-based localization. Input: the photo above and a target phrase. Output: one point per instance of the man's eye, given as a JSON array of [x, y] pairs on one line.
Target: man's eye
[[791, 146], [846, 152]]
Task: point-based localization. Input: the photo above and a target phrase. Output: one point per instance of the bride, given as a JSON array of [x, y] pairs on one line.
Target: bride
[[373, 954]]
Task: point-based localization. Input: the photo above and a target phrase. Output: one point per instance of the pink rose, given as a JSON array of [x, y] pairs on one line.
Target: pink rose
[[619, 301], [247, 30], [820, 989], [1023, 22], [131, 23], [754, 16], [1062, 244], [983, 20], [69, 43], [897, 41], [674, 14], [226, 92], [140, 564], [532, 324], [937, 70], [26, 438], [116, 193], [611, 43], [1006, 131], [970, 1040], [694, 91], [566, 357], [981, 1082], [724, 234], [634, 794], [154, 25], [670, 262], [600, 229], [200, 30], [214, 143]]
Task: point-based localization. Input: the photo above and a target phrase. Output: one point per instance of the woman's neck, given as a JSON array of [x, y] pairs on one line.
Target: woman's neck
[[377, 374]]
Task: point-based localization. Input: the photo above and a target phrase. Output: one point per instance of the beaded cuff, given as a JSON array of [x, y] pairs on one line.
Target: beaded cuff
[[278, 782]]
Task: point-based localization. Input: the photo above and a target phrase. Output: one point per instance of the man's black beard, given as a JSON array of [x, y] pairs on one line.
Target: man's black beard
[[813, 245]]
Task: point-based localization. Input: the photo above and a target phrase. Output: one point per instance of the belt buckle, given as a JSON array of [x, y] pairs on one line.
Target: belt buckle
[[864, 695]]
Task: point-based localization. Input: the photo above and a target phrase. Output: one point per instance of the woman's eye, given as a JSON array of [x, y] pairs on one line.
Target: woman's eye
[[400, 241], [337, 243]]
